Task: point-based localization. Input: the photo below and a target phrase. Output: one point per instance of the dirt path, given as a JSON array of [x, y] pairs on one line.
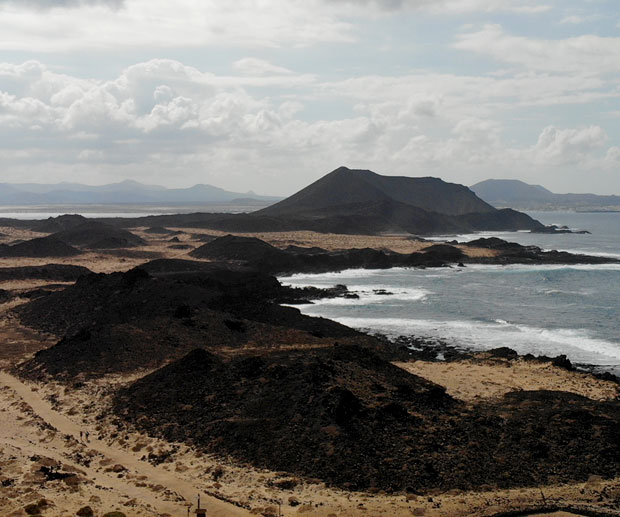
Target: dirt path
[[156, 476]]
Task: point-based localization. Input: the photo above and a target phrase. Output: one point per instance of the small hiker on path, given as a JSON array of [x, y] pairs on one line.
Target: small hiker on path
[[87, 434], [80, 435]]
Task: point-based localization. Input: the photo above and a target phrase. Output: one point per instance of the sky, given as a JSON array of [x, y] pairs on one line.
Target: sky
[[270, 95]]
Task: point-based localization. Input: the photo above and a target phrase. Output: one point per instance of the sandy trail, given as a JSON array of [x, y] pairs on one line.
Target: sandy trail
[[186, 490]]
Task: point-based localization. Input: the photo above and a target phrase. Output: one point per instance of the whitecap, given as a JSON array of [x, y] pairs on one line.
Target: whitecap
[[578, 344]]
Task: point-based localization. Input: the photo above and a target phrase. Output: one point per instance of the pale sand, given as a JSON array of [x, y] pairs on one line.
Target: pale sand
[[159, 246], [335, 242], [19, 435], [482, 378]]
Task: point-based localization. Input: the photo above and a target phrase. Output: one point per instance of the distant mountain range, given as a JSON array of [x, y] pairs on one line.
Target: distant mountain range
[[126, 192], [517, 194]]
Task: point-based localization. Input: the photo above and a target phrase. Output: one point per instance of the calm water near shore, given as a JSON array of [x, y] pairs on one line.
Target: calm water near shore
[[551, 310]]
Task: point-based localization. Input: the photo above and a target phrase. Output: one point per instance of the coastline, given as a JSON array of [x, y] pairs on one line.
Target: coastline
[[287, 348]]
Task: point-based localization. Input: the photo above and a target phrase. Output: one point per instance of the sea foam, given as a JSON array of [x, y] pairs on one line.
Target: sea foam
[[578, 344]]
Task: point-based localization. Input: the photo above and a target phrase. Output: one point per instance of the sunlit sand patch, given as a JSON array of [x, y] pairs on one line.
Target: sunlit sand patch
[[478, 379]]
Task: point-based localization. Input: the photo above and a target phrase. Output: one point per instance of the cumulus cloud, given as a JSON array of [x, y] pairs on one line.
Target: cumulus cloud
[[563, 146], [167, 122]]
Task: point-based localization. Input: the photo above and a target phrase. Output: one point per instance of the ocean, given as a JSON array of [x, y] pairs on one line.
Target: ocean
[[543, 310], [124, 211]]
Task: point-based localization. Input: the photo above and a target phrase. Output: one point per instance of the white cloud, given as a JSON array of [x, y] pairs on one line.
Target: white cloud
[[254, 66], [584, 55], [576, 19], [612, 158], [564, 146], [163, 24], [166, 122], [46, 26]]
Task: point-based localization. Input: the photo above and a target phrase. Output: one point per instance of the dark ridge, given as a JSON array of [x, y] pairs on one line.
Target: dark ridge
[[99, 350], [39, 247], [171, 266], [493, 243], [259, 255], [126, 321], [231, 247], [57, 272], [59, 224], [513, 253], [500, 220], [351, 419], [97, 235], [101, 299], [445, 252]]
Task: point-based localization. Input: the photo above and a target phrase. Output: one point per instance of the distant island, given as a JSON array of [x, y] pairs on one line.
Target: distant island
[[125, 192], [517, 194], [362, 202]]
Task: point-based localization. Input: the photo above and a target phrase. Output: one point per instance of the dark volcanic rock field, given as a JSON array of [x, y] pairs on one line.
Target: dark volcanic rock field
[[122, 322], [259, 255], [354, 420]]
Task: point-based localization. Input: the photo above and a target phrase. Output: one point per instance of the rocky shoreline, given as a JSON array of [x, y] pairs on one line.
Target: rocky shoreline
[[259, 255]]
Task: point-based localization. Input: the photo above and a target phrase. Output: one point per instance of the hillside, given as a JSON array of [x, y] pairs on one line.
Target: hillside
[[352, 419], [517, 194], [345, 186]]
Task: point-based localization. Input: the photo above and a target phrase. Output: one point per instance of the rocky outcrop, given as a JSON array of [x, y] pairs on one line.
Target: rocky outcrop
[[259, 255], [513, 253], [97, 235], [127, 321], [349, 418]]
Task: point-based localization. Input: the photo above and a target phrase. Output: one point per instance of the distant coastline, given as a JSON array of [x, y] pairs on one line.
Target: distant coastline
[[123, 210]]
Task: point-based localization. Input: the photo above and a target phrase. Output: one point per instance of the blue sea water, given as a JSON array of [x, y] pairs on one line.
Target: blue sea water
[[544, 310]]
